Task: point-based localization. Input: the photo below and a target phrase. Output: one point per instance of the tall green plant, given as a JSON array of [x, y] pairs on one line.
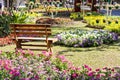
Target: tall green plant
[[5, 20], [18, 17]]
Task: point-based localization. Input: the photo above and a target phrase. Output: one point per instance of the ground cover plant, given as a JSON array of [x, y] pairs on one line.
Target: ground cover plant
[[84, 38], [25, 65]]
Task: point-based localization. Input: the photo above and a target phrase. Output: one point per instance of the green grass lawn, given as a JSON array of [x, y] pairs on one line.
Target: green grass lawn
[[96, 57]]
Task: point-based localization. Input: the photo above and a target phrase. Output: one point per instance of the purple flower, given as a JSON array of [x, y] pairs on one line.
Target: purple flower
[[59, 37], [76, 45]]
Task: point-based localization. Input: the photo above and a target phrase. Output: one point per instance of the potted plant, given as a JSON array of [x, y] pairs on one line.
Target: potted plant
[[110, 7], [104, 21], [109, 21], [0, 5], [104, 6], [97, 6], [78, 4], [89, 4], [97, 20], [116, 6], [116, 21]]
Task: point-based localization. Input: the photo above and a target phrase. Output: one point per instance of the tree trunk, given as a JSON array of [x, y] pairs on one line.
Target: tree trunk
[[93, 6], [93, 2], [77, 8]]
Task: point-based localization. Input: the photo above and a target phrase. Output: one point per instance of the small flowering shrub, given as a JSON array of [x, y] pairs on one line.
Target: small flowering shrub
[[82, 38], [5, 41], [25, 65]]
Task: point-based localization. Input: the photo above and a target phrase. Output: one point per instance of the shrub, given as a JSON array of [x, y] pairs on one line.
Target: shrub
[[81, 38], [5, 20]]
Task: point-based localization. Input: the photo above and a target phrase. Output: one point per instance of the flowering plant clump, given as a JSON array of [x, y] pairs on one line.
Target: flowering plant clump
[[25, 65], [81, 38], [103, 22]]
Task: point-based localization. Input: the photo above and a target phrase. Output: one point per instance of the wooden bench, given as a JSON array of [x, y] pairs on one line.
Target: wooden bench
[[32, 32]]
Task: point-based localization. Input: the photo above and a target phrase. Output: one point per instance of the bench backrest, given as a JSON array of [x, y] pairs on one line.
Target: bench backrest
[[30, 30]]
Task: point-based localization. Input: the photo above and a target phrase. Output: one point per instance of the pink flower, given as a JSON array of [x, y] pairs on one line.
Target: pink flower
[[0, 51], [64, 60], [14, 72], [43, 52], [87, 67], [24, 59], [105, 68], [97, 70], [65, 71], [73, 68], [25, 79], [6, 67], [62, 57], [37, 77], [91, 73], [30, 52], [113, 70], [46, 53], [74, 75], [78, 68], [98, 75]]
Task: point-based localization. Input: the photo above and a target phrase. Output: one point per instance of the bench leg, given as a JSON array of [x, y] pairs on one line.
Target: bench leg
[[18, 44], [49, 46]]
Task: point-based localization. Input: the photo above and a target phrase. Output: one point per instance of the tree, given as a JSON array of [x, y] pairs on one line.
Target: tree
[[78, 9]]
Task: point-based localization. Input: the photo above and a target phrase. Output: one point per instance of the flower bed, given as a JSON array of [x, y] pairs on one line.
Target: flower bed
[[25, 65], [103, 22], [82, 38]]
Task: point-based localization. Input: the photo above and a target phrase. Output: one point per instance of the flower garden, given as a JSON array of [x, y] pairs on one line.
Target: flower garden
[[88, 47], [26, 65]]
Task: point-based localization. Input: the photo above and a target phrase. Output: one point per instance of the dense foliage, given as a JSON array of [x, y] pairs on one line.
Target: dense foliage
[[83, 38], [26, 65]]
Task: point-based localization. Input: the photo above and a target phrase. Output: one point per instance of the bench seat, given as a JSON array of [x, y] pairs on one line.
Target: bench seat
[[37, 38]]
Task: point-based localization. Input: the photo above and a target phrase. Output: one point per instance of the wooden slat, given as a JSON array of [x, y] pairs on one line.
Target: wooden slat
[[34, 29], [34, 25], [32, 33], [37, 38], [34, 49], [31, 38], [34, 45]]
